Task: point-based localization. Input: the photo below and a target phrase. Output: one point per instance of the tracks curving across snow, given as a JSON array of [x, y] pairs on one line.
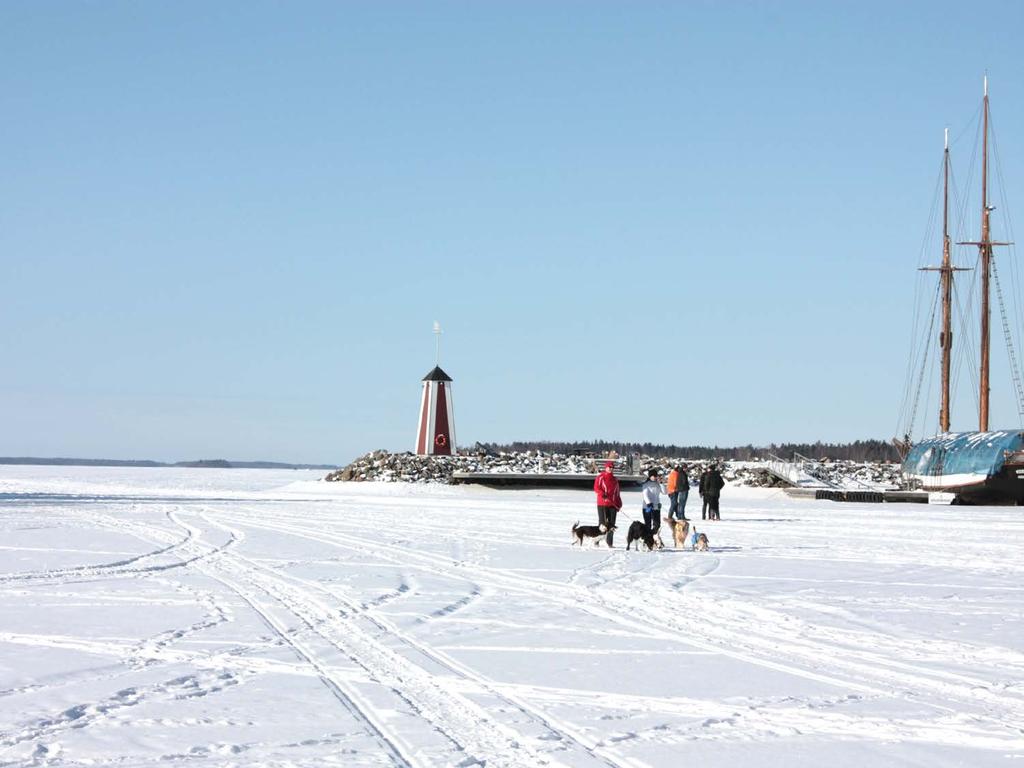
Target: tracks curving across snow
[[457, 627], [741, 630]]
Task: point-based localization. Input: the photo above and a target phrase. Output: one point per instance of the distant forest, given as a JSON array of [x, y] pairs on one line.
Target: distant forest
[[859, 450]]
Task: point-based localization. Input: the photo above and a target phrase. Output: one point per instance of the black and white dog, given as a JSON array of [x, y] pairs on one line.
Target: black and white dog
[[592, 532], [638, 532]]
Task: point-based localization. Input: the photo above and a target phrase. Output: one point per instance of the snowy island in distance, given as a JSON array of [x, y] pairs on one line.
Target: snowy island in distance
[[199, 463]]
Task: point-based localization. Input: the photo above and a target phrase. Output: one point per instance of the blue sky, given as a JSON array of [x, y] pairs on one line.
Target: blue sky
[[226, 229]]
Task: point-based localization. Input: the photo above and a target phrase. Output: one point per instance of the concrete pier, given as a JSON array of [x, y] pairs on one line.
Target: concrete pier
[[862, 496]]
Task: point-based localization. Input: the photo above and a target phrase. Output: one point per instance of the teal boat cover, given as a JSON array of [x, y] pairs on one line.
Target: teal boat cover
[[963, 453]]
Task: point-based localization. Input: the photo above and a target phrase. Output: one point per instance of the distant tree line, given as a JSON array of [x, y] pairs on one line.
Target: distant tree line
[[858, 450]]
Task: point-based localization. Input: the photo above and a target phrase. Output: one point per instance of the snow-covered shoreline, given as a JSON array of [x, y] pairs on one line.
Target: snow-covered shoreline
[[229, 617]]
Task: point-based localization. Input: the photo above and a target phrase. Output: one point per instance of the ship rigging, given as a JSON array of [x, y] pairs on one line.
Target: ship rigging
[[982, 465]]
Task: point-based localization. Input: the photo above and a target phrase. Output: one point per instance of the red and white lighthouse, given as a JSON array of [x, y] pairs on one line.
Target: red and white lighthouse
[[436, 435]]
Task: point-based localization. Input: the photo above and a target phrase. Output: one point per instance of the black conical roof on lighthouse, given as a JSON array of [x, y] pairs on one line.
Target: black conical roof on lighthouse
[[437, 375]]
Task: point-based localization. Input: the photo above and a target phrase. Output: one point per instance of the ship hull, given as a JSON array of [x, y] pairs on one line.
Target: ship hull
[[1004, 488], [979, 467]]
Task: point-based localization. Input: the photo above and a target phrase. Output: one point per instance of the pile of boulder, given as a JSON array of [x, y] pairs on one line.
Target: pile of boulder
[[840, 474], [851, 474], [750, 473], [382, 466]]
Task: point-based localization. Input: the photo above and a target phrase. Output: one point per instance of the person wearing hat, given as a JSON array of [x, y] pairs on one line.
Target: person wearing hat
[[651, 492], [609, 499]]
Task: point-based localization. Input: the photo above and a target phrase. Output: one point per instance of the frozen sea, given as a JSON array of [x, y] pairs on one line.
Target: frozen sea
[[201, 617]]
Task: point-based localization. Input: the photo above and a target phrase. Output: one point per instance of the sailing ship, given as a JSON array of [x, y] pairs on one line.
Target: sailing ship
[[984, 466]]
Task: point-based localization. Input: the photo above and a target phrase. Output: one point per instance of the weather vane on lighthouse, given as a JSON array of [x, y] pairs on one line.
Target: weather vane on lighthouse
[[436, 433]]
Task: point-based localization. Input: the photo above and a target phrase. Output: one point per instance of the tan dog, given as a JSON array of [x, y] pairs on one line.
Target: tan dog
[[680, 530]]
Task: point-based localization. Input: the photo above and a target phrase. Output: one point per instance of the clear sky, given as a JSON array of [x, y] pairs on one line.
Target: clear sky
[[227, 228]]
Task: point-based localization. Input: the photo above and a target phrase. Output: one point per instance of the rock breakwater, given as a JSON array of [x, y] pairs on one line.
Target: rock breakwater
[[382, 466]]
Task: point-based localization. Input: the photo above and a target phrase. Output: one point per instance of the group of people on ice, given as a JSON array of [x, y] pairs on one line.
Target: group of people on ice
[[609, 497]]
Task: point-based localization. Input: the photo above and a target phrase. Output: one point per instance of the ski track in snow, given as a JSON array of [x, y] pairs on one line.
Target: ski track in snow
[[460, 627], [725, 629]]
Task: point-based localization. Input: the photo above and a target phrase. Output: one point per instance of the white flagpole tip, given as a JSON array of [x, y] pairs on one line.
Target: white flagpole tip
[[947, 138], [986, 85]]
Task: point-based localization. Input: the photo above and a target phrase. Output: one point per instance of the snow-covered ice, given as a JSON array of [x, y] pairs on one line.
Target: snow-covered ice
[[259, 617]]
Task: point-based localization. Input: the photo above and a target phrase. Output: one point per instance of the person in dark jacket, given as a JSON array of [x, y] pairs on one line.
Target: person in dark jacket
[[683, 489], [702, 488], [713, 491], [609, 499]]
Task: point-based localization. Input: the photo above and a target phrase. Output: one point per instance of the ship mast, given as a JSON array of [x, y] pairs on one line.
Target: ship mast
[[947, 293], [985, 254], [946, 274], [986, 261]]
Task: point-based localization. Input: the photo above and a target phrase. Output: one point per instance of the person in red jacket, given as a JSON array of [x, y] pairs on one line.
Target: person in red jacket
[[609, 500]]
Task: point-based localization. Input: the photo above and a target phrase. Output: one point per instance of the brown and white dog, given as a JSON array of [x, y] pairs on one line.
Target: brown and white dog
[[701, 545], [680, 530]]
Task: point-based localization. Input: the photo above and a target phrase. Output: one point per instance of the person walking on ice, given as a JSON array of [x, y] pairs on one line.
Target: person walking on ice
[[651, 492], [712, 492], [673, 491], [678, 491], [702, 488], [684, 490], [609, 499]]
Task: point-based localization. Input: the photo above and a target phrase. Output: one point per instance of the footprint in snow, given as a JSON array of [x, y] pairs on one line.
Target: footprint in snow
[[622, 737], [46, 751]]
